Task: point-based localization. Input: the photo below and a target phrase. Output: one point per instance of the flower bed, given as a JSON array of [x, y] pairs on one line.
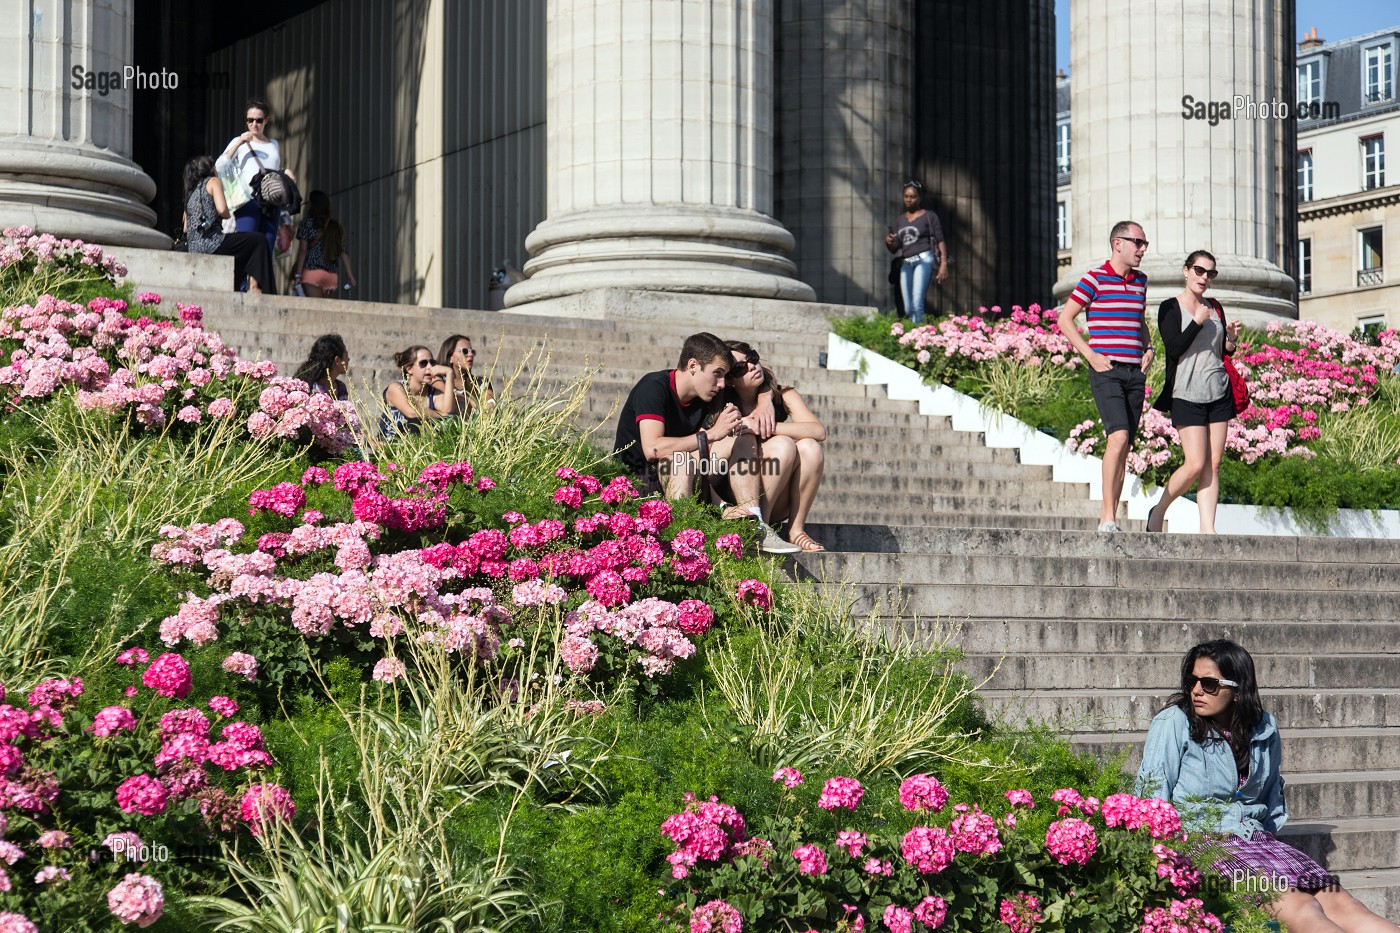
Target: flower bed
[[1109, 865], [1307, 440]]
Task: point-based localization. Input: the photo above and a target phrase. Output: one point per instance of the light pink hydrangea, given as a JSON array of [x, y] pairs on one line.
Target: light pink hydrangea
[[811, 860], [389, 670], [1020, 912], [113, 719], [263, 803], [244, 665], [929, 849], [790, 777], [898, 919], [1071, 841], [1181, 916], [716, 917], [922, 792], [137, 899]]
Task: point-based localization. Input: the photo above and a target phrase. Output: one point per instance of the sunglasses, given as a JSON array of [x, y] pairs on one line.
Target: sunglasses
[[1136, 241], [918, 185], [1211, 685], [1208, 273], [742, 366], [424, 364]]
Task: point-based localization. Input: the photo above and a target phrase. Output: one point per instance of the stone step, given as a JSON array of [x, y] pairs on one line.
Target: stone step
[[1350, 844], [1052, 671], [933, 501], [826, 514], [1032, 636], [1378, 889], [955, 602], [1330, 795], [1159, 575], [840, 475], [1206, 548], [1331, 749], [861, 458], [1117, 710]]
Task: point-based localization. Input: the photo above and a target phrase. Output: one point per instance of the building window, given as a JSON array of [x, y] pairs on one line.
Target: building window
[[1378, 74], [1310, 82], [1061, 226], [1371, 268], [1304, 267], [1062, 147], [1305, 175], [1371, 325], [1373, 162]]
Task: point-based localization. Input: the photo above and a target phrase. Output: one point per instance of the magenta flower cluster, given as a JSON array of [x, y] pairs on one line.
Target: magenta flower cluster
[[707, 831], [1184, 916]]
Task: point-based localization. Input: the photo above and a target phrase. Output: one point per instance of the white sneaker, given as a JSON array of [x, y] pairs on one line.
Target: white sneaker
[[1109, 527], [773, 544]]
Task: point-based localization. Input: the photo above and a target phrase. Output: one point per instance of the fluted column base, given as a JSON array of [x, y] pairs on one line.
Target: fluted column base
[[695, 249], [77, 192]]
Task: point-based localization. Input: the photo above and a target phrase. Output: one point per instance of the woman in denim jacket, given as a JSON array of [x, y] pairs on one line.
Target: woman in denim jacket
[[1215, 754]]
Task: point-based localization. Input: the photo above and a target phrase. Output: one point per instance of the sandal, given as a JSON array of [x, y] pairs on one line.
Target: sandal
[[804, 541]]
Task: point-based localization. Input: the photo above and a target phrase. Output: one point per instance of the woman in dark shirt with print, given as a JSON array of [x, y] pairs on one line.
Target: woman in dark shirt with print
[[915, 236]]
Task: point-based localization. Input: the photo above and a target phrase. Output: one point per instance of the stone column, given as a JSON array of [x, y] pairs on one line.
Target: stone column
[[65, 165], [660, 150], [1222, 188]]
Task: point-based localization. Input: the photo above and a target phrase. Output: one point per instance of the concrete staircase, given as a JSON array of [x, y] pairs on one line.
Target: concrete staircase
[[1087, 629]]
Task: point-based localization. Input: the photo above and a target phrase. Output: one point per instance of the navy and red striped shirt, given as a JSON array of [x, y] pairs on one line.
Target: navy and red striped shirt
[[1116, 307]]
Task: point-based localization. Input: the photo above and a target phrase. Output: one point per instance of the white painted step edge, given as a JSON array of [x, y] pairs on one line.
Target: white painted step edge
[[1001, 430]]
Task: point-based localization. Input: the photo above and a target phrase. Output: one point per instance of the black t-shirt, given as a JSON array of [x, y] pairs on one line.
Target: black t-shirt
[[654, 398]]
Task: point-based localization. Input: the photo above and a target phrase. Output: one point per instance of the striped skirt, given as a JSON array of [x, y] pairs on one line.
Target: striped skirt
[[1266, 855]]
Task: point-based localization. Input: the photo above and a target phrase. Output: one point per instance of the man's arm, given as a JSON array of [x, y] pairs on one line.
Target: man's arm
[[656, 446], [1068, 312]]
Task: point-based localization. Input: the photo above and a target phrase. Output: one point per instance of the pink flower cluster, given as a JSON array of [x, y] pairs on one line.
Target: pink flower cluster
[[755, 593], [974, 832], [1020, 912], [1177, 869], [1071, 841], [841, 792], [263, 804], [1029, 336], [811, 860], [704, 831], [1188, 916], [929, 849], [29, 250], [923, 792], [716, 917], [1159, 816], [137, 899]]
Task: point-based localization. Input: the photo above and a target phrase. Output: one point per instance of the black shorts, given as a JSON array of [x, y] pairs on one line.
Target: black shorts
[[1119, 393], [1199, 414]]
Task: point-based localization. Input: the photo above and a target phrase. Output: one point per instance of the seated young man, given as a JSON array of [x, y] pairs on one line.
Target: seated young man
[[660, 430]]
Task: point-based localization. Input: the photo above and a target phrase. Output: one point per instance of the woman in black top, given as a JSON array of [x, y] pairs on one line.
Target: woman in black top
[[325, 364], [1197, 389], [205, 211], [916, 235]]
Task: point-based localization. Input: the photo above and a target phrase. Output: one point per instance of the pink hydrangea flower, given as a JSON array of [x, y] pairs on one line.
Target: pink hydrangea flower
[[133, 656], [898, 919], [51, 873], [1184, 916], [113, 719], [922, 792], [169, 675], [811, 860], [389, 670], [1020, 798], [840, 792], [224, 706], [790, 777], [875, 866], [755, 593], [852, 842], [1071, 841], [928, 849], [1020, 913], [716, 917], [142, 794], [11, 922], [244, 665], [263, 803], [137, 899], [931, 912], [975, 833], [54, 839], [695, 617]]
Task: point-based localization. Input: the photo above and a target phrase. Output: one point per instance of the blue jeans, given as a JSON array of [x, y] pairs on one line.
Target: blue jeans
[[914, 278], [251, 219]]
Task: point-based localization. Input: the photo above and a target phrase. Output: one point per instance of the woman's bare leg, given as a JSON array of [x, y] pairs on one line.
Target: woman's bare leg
[[1208, 493], [811, 460], [1193, 449]]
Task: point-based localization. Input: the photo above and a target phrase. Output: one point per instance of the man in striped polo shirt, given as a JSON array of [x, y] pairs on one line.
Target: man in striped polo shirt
[[1119, 351]]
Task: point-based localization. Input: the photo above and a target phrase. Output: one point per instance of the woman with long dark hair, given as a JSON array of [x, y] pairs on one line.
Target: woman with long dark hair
[[1215, 754], [457, 352], [321, 250], [205, 208], [325, 364], [1197, 389], [423, 392]]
